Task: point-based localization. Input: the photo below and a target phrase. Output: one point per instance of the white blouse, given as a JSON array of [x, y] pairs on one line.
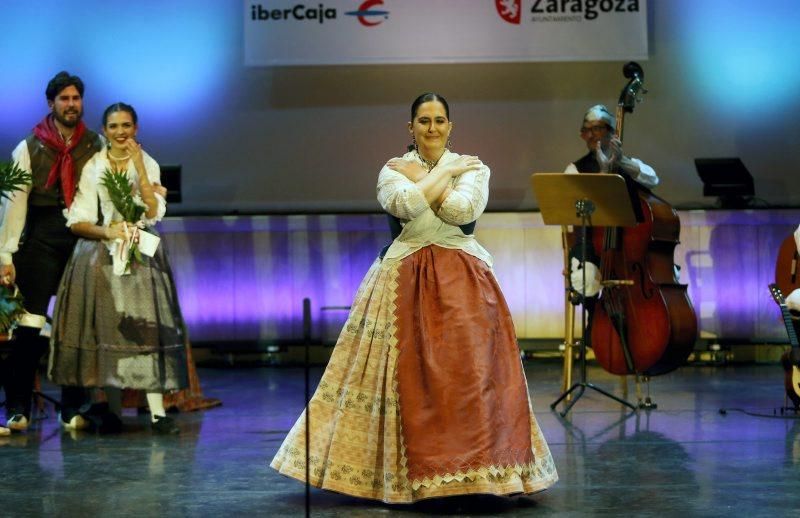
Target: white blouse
[[84, 205], [401, 197], [14, 209]]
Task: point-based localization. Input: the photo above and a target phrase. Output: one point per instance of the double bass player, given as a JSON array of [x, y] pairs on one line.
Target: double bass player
[[604, 156]]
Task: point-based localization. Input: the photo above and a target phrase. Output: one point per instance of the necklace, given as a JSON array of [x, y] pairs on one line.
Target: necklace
[[118, 159], [429, 164]]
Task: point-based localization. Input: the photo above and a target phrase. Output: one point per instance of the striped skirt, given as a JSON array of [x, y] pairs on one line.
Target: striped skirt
[[117, 331]]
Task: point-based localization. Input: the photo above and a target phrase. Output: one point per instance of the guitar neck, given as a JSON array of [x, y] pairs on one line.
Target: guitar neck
[[788, 321]]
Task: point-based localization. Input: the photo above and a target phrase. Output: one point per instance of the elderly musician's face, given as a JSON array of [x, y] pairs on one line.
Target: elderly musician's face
[[430, 126], [594, 132]]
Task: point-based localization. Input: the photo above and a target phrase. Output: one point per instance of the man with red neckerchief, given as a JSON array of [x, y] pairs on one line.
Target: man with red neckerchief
[[35, 242]]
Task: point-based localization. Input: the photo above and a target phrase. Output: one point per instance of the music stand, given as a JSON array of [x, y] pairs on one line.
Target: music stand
[[584, 200]]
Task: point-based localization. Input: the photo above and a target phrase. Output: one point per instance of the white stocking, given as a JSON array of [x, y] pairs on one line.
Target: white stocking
[[155, 400]]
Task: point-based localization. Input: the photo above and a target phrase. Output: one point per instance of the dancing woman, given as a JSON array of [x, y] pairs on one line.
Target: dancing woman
[[425, 395]]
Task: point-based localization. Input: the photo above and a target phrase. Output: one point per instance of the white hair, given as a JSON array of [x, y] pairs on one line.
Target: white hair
[[598, 112]]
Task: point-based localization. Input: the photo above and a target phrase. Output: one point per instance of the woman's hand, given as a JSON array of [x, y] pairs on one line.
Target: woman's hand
[[8, 274], [462, 164], [134, 149], [119, 230], [408, 168], [146, 189]]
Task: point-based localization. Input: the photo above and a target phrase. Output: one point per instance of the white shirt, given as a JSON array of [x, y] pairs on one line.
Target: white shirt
[[647, 175], [14, 210], [84, 205], [401, 197]]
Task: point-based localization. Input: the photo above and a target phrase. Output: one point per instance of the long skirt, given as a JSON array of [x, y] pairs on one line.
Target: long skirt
[[186, 400], [424, 395], [123, 331]]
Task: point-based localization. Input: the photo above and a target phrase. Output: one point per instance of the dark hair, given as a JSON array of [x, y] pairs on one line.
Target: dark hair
[[60, 81], [120, 107], [427, 97]]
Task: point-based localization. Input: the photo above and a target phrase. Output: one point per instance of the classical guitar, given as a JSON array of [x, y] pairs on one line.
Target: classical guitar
[[789, 360], [787, 276]]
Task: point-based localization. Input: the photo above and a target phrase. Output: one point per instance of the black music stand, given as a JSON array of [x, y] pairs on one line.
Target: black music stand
[[584, 200]]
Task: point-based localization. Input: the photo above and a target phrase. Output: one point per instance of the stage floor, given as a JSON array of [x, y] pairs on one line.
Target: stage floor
[[684, 458]]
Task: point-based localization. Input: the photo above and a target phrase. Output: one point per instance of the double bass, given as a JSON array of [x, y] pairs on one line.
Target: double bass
[[644, 322]]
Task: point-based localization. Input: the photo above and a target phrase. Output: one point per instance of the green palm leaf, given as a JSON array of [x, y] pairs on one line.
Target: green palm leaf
[[12, 178], [120, 191]]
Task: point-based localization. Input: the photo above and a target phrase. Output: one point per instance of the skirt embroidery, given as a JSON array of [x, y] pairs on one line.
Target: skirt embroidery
[[358, 445]]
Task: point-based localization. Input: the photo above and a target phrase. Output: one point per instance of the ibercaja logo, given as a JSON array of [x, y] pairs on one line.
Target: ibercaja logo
[[369, 17], [366, 14], [509, 10]]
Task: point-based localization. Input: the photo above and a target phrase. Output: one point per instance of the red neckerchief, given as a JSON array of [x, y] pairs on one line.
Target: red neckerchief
[[63, 168]]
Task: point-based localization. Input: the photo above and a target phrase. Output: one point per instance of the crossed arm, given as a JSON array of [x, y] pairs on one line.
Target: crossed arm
[[406, 189]]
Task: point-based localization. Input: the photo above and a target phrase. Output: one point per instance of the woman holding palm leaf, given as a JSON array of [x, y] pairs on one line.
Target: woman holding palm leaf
[[117, 323], [12, 178]]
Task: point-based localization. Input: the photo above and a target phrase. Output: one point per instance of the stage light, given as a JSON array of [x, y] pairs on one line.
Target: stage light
[[169, 59], [742, 56]]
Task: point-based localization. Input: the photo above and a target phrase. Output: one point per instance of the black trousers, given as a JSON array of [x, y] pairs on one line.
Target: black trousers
[[39, 263]]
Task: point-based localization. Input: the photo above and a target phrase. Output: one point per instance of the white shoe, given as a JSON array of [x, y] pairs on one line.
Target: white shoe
[[4, 431], [76, 423], [17, 423]]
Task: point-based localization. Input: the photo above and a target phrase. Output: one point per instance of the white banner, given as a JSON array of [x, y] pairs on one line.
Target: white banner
[[332, 32]]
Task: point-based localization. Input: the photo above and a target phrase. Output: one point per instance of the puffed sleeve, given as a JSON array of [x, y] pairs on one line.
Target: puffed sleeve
[[154, 175], [14, 208], [399, 196], [647, 175], [468, 199], [84, 204]]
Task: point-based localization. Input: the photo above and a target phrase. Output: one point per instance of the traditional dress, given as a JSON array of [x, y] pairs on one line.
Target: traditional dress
[[112, 330], [424, 395]]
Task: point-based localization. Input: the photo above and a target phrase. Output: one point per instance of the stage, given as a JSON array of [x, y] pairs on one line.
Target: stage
[[684, 458]]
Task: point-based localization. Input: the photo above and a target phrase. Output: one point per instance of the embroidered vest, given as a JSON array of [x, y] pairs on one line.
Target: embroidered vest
[[42, 160]]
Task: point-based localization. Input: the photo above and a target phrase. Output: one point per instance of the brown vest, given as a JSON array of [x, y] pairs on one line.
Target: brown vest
[[42, 160]]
